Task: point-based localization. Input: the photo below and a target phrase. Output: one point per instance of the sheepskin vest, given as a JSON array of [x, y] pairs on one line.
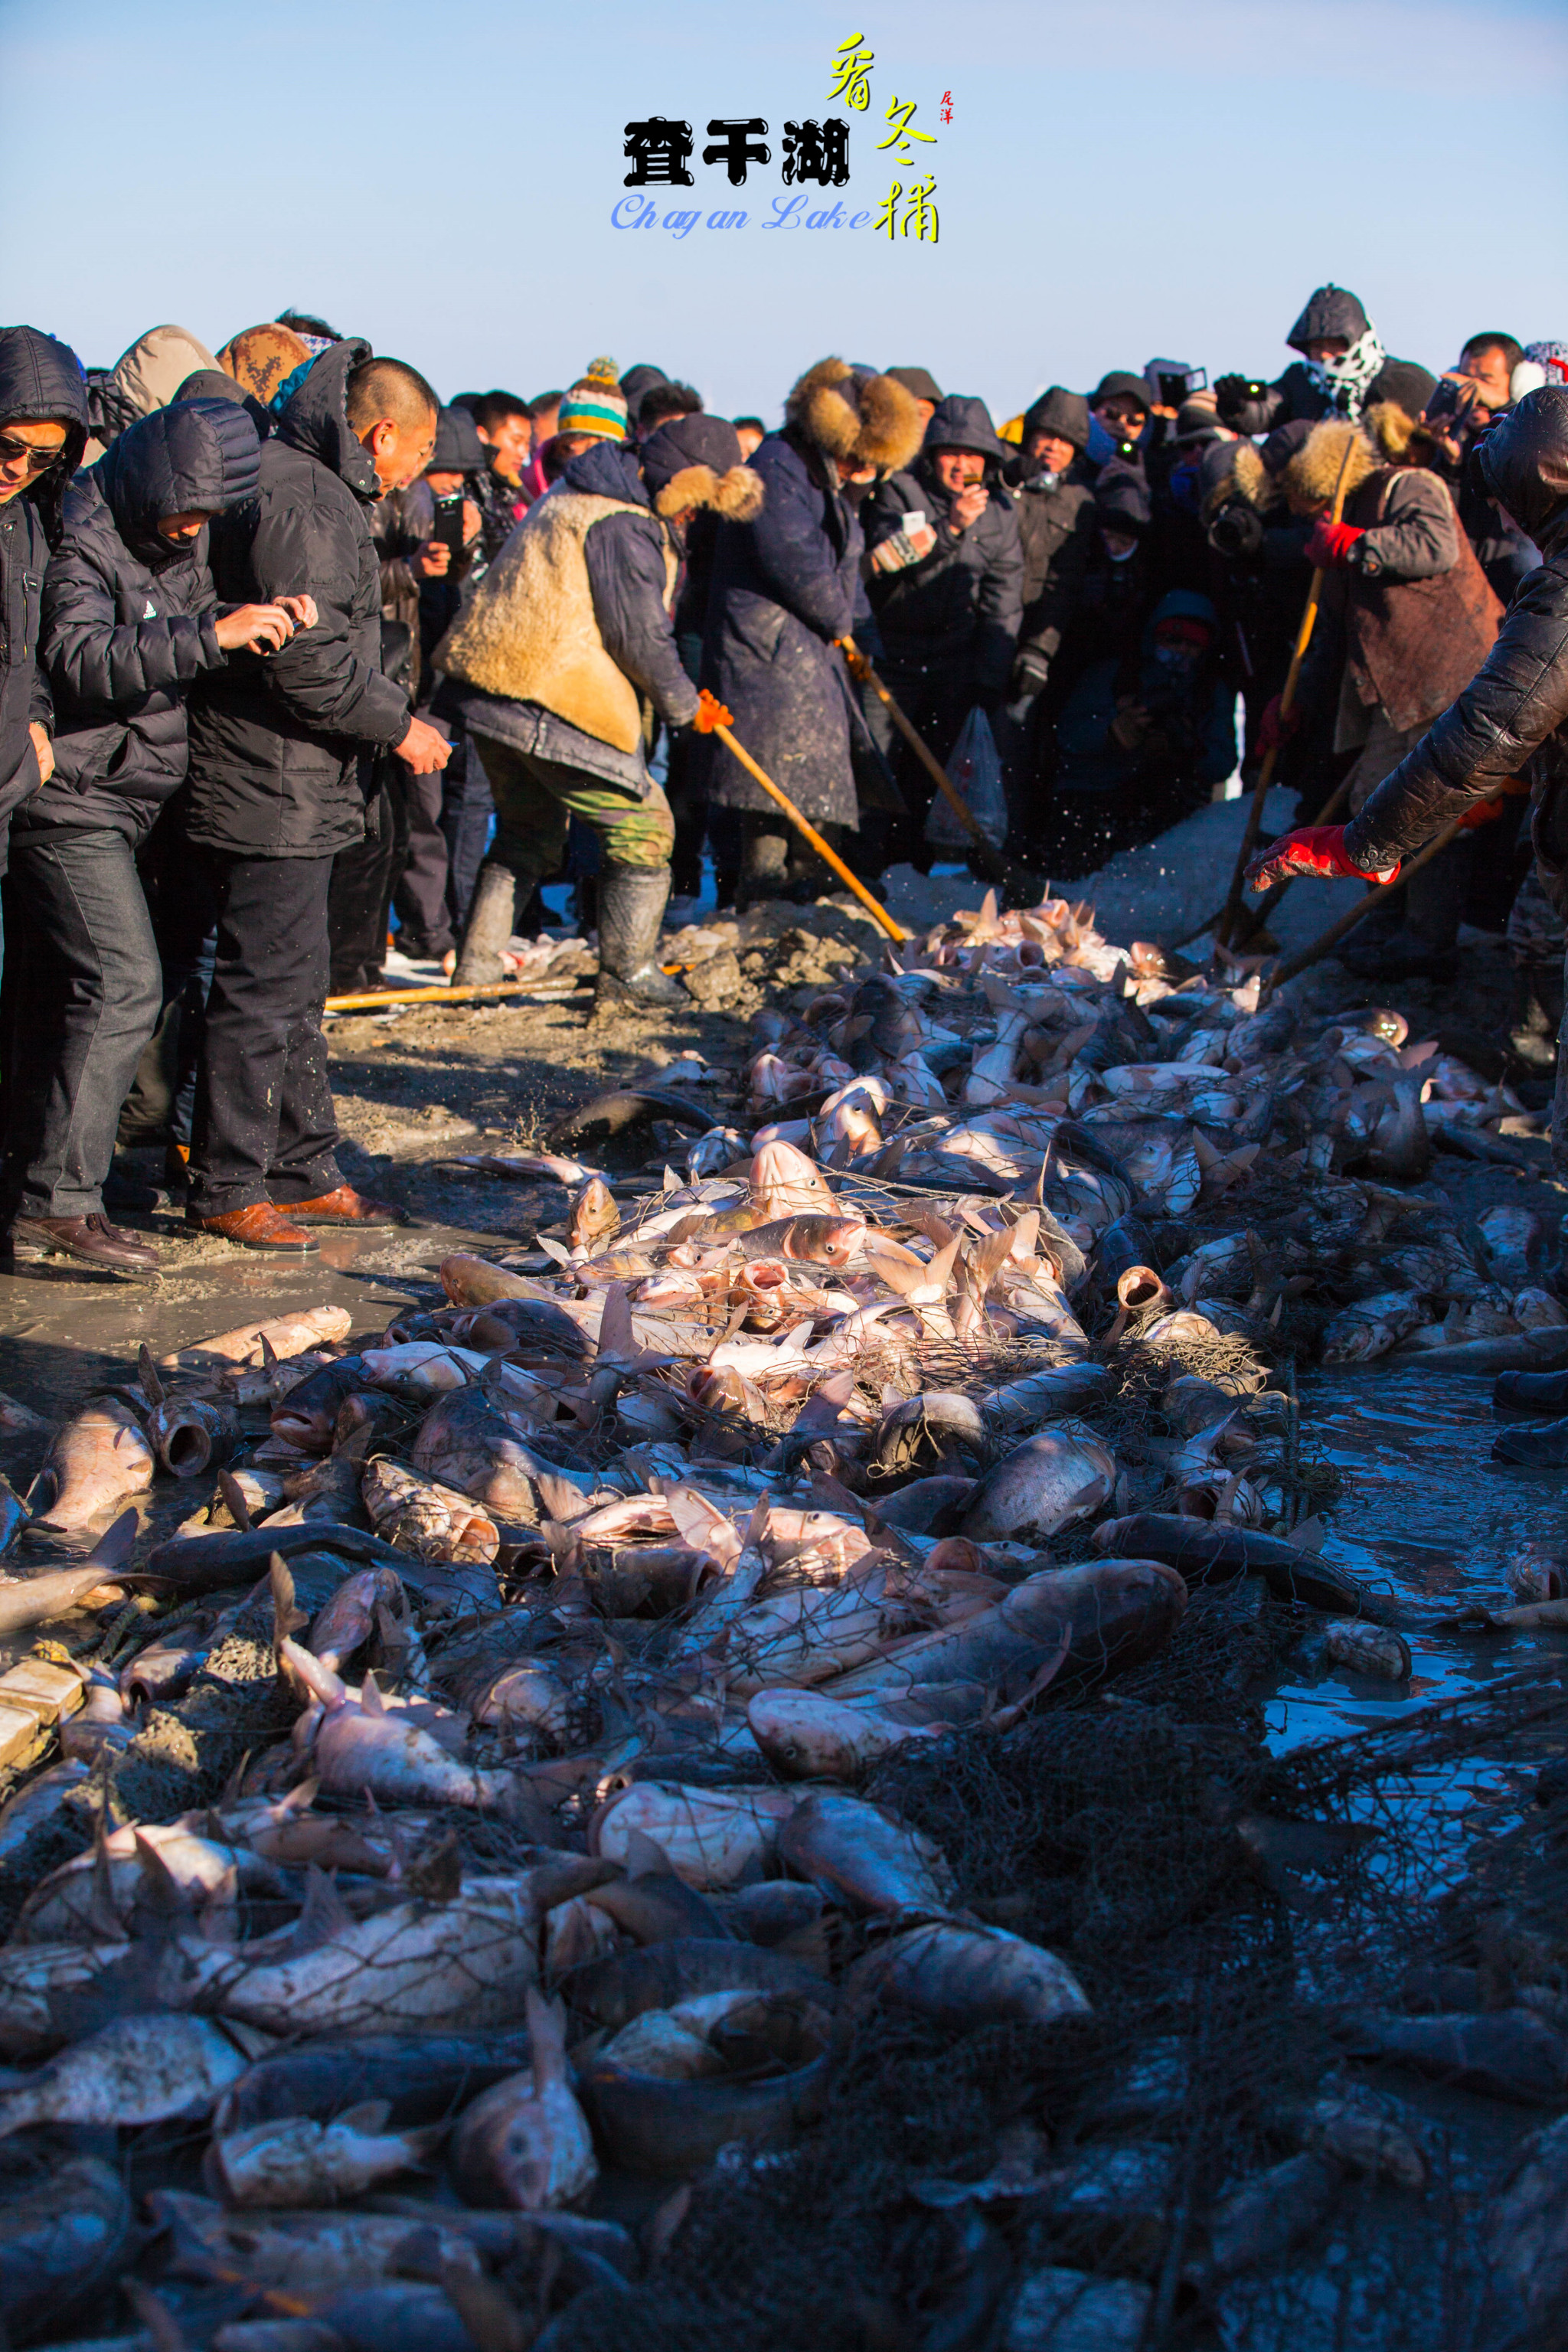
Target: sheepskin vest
[[1418, 642], [529, 633]]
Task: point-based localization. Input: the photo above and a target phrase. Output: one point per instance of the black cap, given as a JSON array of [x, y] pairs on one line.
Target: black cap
[[458, 449], [695, 440], [1404, 382], [1059, 411], [1121, 383], [917, 381]]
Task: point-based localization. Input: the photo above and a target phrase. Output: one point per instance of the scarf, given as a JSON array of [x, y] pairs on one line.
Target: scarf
[[1343, 381]]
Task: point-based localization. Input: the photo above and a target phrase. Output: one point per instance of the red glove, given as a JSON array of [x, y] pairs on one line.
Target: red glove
[[1277, 725], [1483, 812], [1315, 849], [1330, 543], [711, 713]]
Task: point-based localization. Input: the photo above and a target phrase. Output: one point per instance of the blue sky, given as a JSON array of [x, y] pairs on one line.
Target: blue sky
[[1168, 176]]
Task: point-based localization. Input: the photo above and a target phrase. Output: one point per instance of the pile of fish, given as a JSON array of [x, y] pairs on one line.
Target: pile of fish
[[465, 1798]]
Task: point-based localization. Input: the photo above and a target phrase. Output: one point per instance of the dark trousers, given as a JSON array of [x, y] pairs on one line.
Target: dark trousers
[[264, 1128], [467, 808], [174, 882], [936, 704], [88, 999], [358, 898], [419, 881]]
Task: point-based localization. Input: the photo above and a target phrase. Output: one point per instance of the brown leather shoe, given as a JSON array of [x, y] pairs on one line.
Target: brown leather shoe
[[92, 1239], [262, 1227], [345, 1207]]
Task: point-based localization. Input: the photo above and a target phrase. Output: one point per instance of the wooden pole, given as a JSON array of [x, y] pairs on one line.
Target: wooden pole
[[1328, 941], [829, 857], [1224, 923], [373, 999]]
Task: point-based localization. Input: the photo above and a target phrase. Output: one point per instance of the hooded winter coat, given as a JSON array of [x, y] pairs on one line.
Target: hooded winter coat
[[786, 583], [40, 381], [142, 380], [130, 621], [1332, 311], [1419, 616], [958, 609], [276, 738], [571, 625], [1513, 714]]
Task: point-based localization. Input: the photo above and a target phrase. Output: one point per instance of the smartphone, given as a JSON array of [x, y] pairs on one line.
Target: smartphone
[[1177, 384], [449, 525], [914, 520]]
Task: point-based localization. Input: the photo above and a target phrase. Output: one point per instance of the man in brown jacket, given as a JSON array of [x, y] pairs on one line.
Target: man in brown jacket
[[1419, 621]]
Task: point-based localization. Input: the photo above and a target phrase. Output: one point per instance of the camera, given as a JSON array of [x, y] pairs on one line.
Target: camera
[[1235, 531], [1172, 383]]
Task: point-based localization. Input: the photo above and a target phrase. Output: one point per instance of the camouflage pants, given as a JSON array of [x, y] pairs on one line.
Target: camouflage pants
[[534, 798]]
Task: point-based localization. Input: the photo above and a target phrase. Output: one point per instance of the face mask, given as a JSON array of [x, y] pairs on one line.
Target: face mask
[[1178, 659], [1121, 554]]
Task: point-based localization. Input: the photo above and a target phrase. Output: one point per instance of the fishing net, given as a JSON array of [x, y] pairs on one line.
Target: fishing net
[[1187, 2166]]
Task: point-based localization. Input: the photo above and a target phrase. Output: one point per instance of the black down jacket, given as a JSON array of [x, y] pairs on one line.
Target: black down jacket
[[40, 381], [130, 622], [276, 738], [784, 586], [959, 608], [1515, 709], [1332, 311]]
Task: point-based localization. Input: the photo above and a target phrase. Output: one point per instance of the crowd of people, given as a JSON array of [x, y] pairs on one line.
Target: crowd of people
[[295, 650]]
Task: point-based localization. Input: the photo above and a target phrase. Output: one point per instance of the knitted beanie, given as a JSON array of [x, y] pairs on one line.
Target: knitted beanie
[[595, 403]]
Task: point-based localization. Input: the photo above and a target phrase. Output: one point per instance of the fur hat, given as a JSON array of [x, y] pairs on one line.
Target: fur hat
[[867, 419], [695, 461], [1314, 472]]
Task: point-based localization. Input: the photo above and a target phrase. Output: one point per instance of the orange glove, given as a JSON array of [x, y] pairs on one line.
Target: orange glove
[[711, 713], [1483, 812]]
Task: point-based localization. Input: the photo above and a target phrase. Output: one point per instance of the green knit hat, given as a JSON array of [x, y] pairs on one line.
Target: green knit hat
[[595, 403]]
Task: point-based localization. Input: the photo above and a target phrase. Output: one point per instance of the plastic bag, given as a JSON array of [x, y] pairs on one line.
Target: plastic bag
[[975, 772]]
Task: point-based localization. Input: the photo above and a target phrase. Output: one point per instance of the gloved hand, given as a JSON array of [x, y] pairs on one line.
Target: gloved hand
[[711, 713], [1318, 850], [855, 661], [1030, 672], [1483, 812], [1330, 543], [1235, 391], [1278, 725]]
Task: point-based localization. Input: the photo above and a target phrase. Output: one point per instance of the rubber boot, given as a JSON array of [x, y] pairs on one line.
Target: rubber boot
[[764, 866], [1535, 1014], [488, 929], [631, 908]]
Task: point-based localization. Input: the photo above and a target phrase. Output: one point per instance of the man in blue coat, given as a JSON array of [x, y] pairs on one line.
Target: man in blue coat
[[785, 587]]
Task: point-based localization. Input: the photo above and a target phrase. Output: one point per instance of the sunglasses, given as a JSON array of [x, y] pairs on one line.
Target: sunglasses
[[22, 453]]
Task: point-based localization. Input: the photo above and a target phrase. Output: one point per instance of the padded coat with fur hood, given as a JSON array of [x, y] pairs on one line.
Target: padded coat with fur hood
[[959, 608], [276, 739], [1513, 715], [570, 626], [786, 583], [130, 621], [40, 381], [1419, 616]]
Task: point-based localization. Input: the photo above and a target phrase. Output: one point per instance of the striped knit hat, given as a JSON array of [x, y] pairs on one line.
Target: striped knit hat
[[595, 403]]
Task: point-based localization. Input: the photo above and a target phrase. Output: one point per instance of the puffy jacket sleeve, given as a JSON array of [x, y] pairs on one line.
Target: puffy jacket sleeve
[[103, 663], [797, 558], [625, 556], [998, 596], [1515, 699], [317, 677], [1418, 536]]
